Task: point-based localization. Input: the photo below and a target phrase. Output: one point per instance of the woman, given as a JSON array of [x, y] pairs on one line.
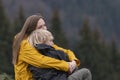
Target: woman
[[24, 54]]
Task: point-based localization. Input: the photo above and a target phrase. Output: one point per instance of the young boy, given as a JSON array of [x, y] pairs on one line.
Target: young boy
[[42, 40]]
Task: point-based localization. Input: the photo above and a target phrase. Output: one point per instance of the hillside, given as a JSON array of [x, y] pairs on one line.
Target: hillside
[[102, 13]]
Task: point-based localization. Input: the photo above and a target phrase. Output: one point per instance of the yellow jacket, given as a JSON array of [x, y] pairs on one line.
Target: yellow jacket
[[29, 55]]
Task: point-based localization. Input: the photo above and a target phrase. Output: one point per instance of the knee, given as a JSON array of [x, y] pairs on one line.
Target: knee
[[86, 70]]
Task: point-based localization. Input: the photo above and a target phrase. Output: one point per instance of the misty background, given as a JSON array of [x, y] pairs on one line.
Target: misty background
[[90, 28]]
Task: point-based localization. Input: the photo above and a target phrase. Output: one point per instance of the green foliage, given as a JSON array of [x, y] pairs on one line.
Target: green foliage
[[97, 55], [5, 41], [7, 32], [55, 28], [85, 44], [101, 57], [5, 76], [19, 21]]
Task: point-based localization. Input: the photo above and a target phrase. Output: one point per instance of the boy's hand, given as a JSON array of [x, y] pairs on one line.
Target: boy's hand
[[72, 66]]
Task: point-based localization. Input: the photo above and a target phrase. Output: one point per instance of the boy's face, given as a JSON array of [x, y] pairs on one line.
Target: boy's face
[[49, 41]]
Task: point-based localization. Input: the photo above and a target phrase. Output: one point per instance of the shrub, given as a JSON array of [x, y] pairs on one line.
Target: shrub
[[5, 76]]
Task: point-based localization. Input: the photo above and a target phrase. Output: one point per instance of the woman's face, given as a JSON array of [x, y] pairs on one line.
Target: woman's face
[[41, 24]]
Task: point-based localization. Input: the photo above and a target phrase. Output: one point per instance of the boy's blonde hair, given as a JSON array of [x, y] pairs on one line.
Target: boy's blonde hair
[[39, 36]]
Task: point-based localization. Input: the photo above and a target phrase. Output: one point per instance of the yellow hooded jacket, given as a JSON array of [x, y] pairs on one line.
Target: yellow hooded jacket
[[29, 55]]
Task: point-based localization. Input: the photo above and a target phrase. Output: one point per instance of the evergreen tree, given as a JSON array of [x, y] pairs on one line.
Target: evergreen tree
[[56, 29], [114, 53], [19, 20], [100, 57], [85, 45], [5, 42], [93, 52], [115, 59], [4, 23]]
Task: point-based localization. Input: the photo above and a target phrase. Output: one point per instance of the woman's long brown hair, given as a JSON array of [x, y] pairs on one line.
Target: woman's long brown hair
[[29, 26]]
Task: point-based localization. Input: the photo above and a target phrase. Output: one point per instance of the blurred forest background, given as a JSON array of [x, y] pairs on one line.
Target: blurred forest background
[[88, 27]]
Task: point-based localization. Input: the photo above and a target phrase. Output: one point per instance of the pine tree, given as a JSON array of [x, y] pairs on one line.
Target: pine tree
[[112, 59], [5, 43], [114, 53], [4, 23], [85, 45], [92, 52], [100, 59], [19, 20], [55, 28], [115, 58]]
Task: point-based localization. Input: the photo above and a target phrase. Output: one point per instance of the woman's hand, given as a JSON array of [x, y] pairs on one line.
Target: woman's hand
[[72, 66]]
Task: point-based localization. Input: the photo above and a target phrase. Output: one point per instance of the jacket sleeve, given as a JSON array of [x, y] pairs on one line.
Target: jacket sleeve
[[31, 56], [70, 54]]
